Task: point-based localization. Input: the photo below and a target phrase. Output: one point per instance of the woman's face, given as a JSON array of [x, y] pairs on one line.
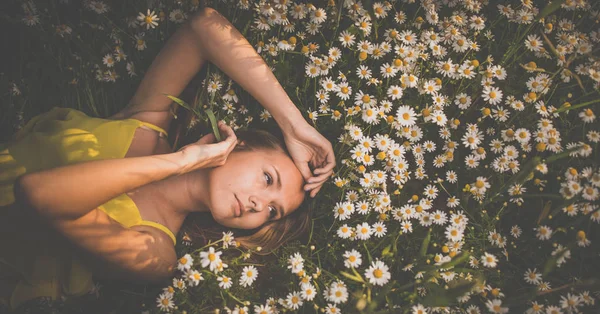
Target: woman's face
[[266, 183]]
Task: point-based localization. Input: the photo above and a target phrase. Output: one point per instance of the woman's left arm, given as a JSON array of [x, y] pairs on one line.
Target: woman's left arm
[[223, 45], [210, 36]]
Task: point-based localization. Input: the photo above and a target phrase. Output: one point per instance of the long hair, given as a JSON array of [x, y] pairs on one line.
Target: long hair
[[201, 227]]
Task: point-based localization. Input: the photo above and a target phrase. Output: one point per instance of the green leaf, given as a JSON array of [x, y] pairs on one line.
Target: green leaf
[[425, 244], [352, 277], [457, 260], [387, 251], [577, 106], [179, 102], [550, 8], [213, 123]]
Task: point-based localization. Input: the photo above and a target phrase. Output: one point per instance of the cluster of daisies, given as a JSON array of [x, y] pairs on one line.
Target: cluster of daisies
[[428, 126]]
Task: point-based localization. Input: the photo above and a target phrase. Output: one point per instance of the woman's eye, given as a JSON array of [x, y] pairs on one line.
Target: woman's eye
[[272, 212], [269, 179]]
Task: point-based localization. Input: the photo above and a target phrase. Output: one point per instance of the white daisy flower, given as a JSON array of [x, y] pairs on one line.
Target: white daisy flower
[[210, 258], [492, 95], [406, 116], [185, 262], [344, 232], [532, 277], [378, 273], [224, 282], [318, 16], [249, 274], [489, 260], [193, 277], [363, 231], [379, 229], [543, 232], [308, 291], [150, 20], [353, 258], [165, 302], [343, 90], [294, 300]]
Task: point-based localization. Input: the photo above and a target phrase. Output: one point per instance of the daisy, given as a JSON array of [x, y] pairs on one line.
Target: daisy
[[532, 277], [98, 7], [179, 283], [454, 233], [249, 274], [495, 306], [364, 24], [224, 282], [406, 116], [149, 19], [363, 231], [263, 309], [489, 260], [363, 72], [344, 232], [308, 292], [543, 232], [587, 116], [388, 71], [343, 90], [378, 273], [409, 80], [451, 176], [185, 262], [337, 292], [353, 258], [31, 19], [165, 301], [210, 258], [193, 277], [140, 43], [108, 60], [439, 217], [406, 226], [318, 16], [177, 16], [346, 38], [312, 70], [492, 95], [534, 43], [379, 229]]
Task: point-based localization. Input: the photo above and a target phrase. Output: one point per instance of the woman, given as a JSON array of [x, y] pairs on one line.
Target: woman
[[140, 192]]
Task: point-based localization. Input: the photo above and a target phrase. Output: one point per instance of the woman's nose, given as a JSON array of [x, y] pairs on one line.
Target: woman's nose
[[258, 203]]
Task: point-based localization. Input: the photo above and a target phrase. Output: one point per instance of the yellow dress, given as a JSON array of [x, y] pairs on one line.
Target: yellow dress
[[60, 137]]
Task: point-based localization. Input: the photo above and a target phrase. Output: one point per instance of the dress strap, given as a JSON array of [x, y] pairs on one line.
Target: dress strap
[[159, 226], [160, 130]]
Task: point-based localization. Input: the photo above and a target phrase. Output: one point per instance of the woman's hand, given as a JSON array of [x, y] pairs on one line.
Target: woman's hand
[[205, 153], [308, 147]]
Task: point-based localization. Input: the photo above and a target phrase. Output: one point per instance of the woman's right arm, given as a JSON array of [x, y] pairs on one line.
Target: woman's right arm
[[69, 192]]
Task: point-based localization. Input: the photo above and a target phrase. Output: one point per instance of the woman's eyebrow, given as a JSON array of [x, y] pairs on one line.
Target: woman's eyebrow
[[278, 178], [281, 211]]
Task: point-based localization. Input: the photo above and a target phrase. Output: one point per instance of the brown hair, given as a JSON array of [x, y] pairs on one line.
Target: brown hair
[[201, 227]]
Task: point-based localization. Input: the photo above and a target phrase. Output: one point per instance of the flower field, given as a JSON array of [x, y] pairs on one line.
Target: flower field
[[465, 133]]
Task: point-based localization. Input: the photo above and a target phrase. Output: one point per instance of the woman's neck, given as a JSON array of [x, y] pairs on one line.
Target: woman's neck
[[177, 196]]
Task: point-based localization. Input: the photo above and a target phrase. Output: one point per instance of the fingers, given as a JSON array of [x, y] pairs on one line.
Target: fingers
[[314, 192], [328, 167], [207, 139], [304, 170], [320, 178]]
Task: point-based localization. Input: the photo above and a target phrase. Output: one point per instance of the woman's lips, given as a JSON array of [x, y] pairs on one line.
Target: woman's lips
[[238, 209]]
